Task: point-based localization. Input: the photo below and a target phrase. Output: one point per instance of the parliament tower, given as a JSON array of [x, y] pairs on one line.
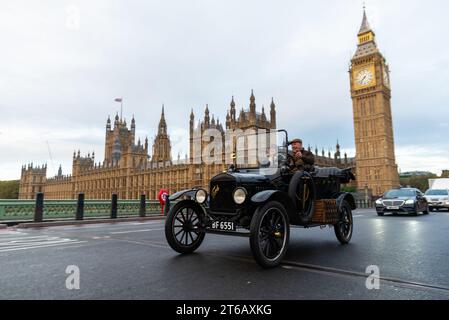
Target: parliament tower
[[373, 124]]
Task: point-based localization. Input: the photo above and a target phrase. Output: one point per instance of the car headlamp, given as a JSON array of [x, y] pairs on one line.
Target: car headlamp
[[239, 195], [379, 201], [201, 196], [410, 201]]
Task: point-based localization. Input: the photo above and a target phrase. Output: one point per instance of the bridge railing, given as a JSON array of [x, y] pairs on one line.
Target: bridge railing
[[364, 204], [40, 209], [25, 210]]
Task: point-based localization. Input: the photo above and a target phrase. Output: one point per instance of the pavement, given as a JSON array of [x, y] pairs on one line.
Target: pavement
[[131, 260], [68, 222]]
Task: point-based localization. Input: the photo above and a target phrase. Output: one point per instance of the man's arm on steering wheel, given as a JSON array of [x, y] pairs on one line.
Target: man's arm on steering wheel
[[308, 158], [290, 162]]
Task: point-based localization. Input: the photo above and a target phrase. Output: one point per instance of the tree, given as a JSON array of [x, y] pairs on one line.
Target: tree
[[419, 182], [350, 189], [9, 189]]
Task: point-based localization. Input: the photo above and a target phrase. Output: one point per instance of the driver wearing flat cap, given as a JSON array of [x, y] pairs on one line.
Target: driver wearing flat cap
[[301, 160]]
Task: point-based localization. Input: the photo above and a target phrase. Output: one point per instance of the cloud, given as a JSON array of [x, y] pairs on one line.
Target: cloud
[[432, 157], [58, 83]]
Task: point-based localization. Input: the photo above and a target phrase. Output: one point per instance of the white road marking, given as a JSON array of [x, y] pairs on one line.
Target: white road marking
[[358, 216], [33, 243], [22, 238], [287, 267], [101, 237], [133, 231], [10, 232], [41, 246], [15, 243]]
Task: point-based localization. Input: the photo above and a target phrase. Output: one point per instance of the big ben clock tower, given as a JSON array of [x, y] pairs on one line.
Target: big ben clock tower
[[373, 125]]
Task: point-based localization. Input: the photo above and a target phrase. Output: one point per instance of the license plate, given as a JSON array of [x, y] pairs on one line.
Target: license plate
[[223, 225], [393, 208]]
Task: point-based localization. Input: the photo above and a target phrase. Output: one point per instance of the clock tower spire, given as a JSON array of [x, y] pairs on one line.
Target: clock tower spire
[[373, 123]]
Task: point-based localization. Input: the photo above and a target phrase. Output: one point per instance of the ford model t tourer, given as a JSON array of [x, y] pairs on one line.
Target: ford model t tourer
[[262, 205]]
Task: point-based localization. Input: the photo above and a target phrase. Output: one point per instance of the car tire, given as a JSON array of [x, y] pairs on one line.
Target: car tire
[[426, 211], [415, 211], [344, 228], [380, 214], [181, 237], [269, 234], [293, 190]]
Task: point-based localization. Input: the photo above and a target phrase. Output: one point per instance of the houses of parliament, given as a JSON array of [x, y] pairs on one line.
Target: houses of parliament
[[129, 171]]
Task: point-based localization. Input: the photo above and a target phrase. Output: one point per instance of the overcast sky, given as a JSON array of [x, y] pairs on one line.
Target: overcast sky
[[64, 62]]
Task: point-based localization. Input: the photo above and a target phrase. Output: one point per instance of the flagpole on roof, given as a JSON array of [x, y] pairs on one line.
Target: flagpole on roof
[[121, 108]]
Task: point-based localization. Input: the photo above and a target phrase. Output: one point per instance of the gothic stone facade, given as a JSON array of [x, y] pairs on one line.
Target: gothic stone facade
[[129, 171]]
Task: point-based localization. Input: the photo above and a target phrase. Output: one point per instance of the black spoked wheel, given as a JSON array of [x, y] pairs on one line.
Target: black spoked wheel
[[343, 229], [181, 227], [270, 232]]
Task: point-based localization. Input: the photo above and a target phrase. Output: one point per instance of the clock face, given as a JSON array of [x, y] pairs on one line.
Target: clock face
[[364, 77]]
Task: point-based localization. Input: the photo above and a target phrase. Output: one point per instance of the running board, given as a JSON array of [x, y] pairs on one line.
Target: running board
[[228, 233]]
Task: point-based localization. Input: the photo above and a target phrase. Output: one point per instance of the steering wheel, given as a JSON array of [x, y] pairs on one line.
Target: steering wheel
[[290, 162]]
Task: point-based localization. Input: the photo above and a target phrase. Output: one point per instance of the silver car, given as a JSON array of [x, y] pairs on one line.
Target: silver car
[[437, 199]]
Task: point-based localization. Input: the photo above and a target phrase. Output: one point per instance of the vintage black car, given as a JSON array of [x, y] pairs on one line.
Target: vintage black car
[[248, 202]]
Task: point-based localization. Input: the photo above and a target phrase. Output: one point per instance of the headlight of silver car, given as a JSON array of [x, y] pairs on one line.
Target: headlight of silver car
[[201, 196], [239, 195]]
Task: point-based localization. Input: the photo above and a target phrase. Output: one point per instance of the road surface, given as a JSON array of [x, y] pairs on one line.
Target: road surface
[[133, 261]]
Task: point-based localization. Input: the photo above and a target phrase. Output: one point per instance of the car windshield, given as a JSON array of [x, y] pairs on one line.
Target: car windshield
[[437, 193], [400, 193], [266, 151]]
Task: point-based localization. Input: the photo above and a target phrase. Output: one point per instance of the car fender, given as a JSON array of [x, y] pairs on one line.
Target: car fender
[[263, 196], [198, 207], [275, 195], [187, 192], [348, 197]]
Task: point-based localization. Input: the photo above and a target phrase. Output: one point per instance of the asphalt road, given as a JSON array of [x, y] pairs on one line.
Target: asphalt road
[[133, 261]]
